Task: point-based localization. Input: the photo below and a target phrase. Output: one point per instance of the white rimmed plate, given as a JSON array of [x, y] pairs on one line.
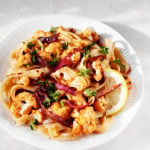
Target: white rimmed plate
[[119, 122]]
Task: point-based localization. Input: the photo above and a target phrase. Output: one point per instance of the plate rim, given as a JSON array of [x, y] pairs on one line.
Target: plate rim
[[97, 21]]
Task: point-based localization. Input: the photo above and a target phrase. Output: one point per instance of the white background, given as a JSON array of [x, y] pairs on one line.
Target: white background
[[129, 17]]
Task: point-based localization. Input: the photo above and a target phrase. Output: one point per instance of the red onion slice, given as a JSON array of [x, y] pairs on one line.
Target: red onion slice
[[107, 91], [65, 88]]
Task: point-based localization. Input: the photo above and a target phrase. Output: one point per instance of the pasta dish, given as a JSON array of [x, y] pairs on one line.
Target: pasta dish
[[66, 83]]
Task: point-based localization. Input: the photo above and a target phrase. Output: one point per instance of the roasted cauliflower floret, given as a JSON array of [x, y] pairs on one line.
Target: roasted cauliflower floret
[[37, 114], [76, 57], [54, 48], [84, 122], [87, 32], [92, 35], [66, 52], [77, 129], [64, 75], [23, 104], [23, 60], [98, 70], [45, 55], [41, 33], [80, 83], [100, 104], [80, 43], [63, 112], [77, 99]]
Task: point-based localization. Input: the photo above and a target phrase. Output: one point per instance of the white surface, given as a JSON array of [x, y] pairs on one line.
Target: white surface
[[119, 122], [120, 13]]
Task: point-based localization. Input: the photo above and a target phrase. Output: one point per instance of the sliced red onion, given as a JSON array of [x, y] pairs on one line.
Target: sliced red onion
[[57, 118], [41, 61], [38, 93], [50, 39], [65, 88], [107, 91], [67, 60], [89, 63], [96, 57], [69, 103]]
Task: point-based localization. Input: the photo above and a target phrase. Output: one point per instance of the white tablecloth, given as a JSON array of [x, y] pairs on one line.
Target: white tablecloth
[[130, 18]]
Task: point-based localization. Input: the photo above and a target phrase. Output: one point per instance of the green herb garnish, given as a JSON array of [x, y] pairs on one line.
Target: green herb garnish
[[64, 46], [52, 98], [26, 65], [54, 61], [42, 83], [85, 72], [47, 102], [117, 61], [53, 29], [33, 52], [86, 49], [33, 59], [89, 46], [103, 50], [30, 45], [86, 52], [62, 103], [33, 123], [90, 92]]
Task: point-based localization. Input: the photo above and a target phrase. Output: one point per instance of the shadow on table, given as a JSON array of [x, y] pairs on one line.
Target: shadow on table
[[141, 44]]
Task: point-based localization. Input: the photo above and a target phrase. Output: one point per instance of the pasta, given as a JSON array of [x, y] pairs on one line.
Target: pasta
[[58, 83]]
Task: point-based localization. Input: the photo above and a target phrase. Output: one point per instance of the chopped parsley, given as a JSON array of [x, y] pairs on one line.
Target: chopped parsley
[[103, 50], [117, 61], [64, 46], [26, 65], [86, 52], [85, 72], [86, 49], [54, 61], [89, 46], [33, 52], [35, 122], [90, 92], [30, 45], [42, 83], [101, 59], [51, 88], [33, 59], [53, 29], [52, 98], [47, 102], [62, 103]]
